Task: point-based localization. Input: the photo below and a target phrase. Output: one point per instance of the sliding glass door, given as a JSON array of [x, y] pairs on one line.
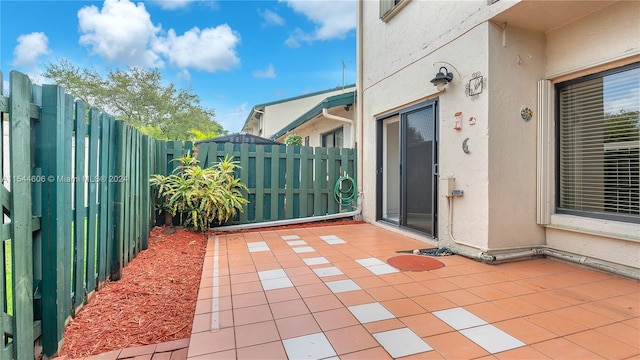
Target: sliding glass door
[[407, 163]]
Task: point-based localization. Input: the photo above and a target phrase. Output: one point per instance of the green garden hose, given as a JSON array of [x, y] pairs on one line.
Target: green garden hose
[[345, 190]]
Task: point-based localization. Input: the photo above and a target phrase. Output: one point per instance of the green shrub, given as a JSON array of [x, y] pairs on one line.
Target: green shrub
[[201, 196], [293, 139]]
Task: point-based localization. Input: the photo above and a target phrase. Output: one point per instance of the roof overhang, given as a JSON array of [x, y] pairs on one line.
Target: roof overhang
[[348, 98], [544, 16]]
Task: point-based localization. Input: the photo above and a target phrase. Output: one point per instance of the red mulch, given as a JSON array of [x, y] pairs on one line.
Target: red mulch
[[155, 299], [153, 302], [414, 263]]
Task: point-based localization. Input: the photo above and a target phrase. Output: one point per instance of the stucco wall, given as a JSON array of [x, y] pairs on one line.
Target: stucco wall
[[498, 176], [516, 62], [576, 49], [398, 67], [607, 35]]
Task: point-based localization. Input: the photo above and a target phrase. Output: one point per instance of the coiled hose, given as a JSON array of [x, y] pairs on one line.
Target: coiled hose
[[344, 191]]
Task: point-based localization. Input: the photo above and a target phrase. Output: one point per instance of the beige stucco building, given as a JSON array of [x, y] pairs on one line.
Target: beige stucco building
[[323, 118], [532, 146]]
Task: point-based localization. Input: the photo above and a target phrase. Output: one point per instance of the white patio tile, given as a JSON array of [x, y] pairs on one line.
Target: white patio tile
[[459, 318], [316, 261], [259, 249], [272, 274], [327, 271], [290, 237], [256, 244], [370, 262], [401, 342], [279, 283], [382, 269], [303, 249], [332, 239], [335, 241], [340, 286], [313, 347], [296, 242], [371, 312], [491, 338]]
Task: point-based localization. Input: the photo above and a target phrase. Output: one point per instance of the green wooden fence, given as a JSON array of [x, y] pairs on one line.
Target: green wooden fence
[[285, 182], [76, 206]]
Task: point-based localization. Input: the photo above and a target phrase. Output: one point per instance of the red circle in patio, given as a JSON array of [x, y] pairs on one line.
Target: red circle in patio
[[414, 263]]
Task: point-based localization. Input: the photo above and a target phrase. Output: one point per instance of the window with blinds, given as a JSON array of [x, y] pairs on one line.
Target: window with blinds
[[598, 152]]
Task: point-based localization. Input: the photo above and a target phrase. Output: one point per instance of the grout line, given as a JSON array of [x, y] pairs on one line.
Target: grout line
[[215, 303]]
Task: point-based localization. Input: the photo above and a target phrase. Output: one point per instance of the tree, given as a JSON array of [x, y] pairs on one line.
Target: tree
[[138, 97]]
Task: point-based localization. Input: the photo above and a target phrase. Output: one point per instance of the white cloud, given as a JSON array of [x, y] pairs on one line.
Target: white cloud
[[271, 18], [210, 49], [119, 32], [122, 32], [269, 72], [5, 87], [30, 47], [333, 19], [172, 4]]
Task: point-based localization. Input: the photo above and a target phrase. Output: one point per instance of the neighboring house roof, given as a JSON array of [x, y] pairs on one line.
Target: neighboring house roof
[[241, 138], [332, 101], [263, 105]]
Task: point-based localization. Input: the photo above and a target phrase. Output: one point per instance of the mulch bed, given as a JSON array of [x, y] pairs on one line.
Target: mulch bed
[[155, 299], [153, 302]]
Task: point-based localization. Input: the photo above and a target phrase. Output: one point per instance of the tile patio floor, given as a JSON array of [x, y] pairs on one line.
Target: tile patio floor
[[327, 293]]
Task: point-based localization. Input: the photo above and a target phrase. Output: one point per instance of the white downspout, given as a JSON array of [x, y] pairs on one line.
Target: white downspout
[[325, 113], [359, 102]]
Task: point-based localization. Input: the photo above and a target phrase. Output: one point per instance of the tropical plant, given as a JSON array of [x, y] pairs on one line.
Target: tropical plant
[[201, 196], [293, 139]]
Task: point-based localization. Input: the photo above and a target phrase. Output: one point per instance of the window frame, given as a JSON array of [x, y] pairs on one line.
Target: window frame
[[393, 10], [332, 132], [628, 218]]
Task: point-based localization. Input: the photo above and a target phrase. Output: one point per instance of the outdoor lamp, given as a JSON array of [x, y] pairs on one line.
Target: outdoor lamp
[[442, 78]]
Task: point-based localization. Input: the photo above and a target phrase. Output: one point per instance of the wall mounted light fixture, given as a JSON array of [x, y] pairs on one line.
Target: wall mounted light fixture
[[443, 77]]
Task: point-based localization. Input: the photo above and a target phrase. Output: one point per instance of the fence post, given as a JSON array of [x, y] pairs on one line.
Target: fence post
[[50, 134]]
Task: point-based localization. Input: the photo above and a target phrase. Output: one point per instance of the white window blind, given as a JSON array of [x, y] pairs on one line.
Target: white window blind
[[599, 144]]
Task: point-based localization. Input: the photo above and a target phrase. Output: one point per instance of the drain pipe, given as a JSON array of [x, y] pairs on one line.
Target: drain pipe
[[325, 113], [535, 252], [545, 251]]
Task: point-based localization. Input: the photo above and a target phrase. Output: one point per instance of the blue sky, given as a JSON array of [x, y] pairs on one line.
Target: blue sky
[[233, 54]]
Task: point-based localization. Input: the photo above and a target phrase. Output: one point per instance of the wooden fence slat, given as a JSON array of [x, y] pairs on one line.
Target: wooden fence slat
[[259, 174], [244, 177], [306, 172], [20, 152], [103, 208], [116, 164], [92, 183], [79, 221], [50, 131], [333, 167]]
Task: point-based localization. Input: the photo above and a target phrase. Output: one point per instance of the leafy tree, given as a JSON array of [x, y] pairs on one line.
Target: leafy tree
[[138, 97]]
